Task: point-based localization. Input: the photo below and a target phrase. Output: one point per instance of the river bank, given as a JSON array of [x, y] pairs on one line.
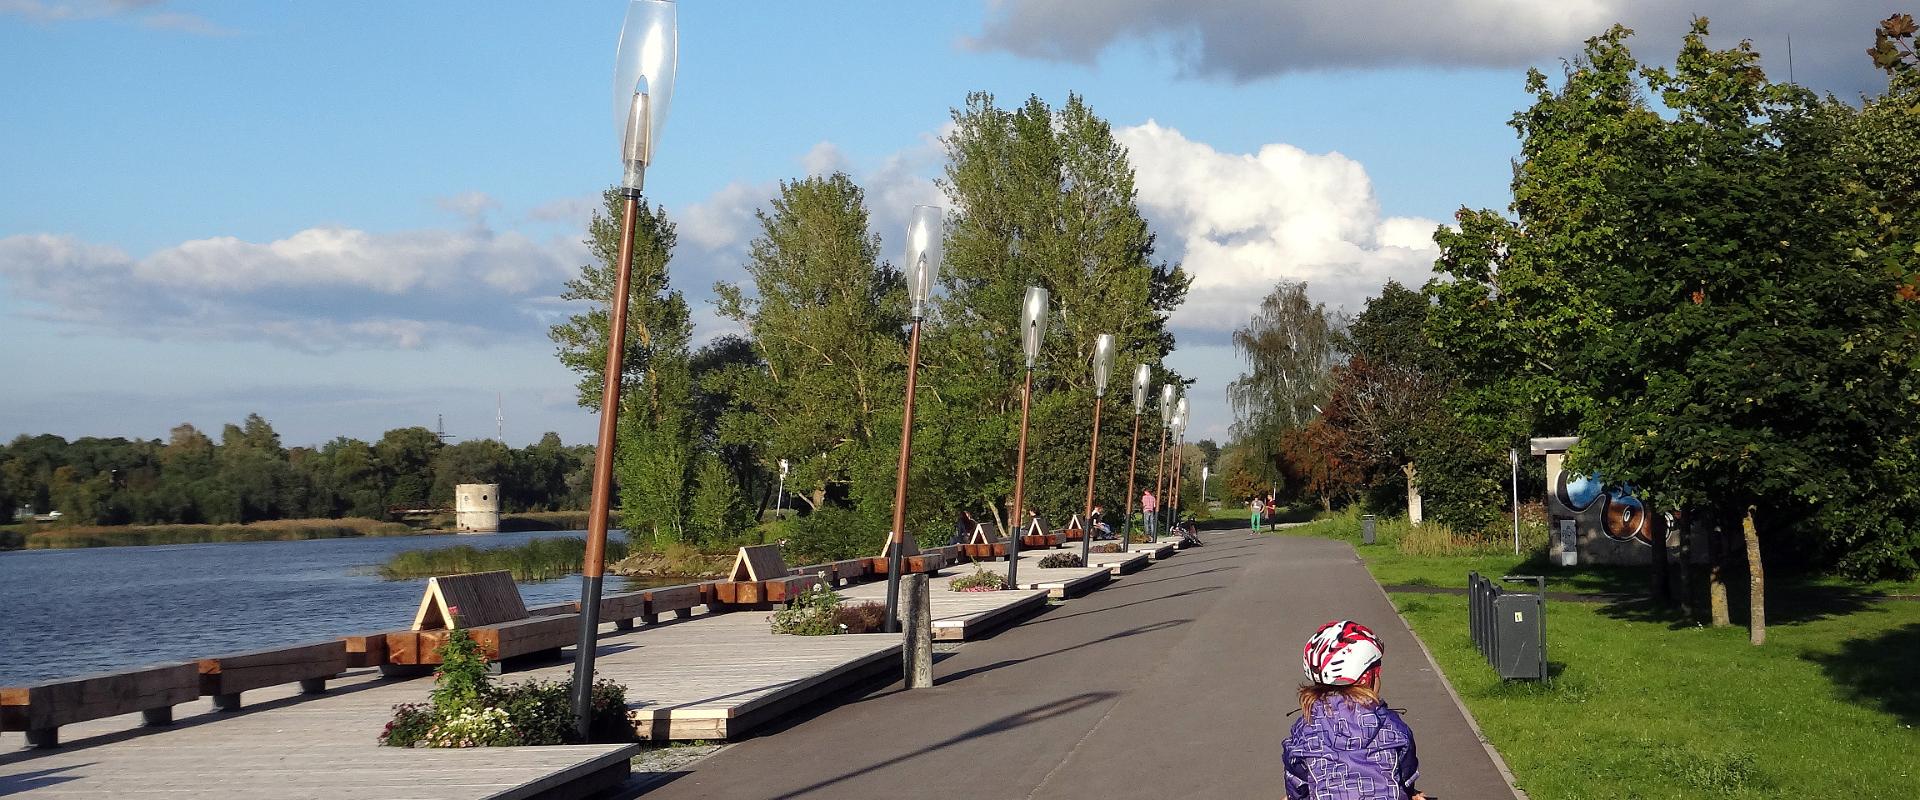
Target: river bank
[[41, 536]]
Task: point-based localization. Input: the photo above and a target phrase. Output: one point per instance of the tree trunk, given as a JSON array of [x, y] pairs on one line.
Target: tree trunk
[[1717, 576], [1415, 514], [1662, 587], [1683, 576], [1756, 583]]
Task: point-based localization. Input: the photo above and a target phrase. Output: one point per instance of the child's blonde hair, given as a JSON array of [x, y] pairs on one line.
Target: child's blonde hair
[[1311, 694]]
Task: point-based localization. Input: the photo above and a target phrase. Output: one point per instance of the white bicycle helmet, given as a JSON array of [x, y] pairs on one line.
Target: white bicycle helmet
[[1342, 653]]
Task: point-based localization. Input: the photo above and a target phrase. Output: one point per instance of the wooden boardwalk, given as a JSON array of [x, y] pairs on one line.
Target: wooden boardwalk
[[718, 676], [714, 676], [286, 746], [711, 677], [963, 616]]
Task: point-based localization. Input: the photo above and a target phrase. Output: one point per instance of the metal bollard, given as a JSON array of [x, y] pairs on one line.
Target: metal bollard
[[1366, 529]]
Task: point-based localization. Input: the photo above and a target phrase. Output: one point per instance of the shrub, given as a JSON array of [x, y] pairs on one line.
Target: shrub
[[833, 534], [980, 581], [540, 560], [813, 613], [1106, 548], [1059, 560], [468, 710], [409, 725], [863, 617]]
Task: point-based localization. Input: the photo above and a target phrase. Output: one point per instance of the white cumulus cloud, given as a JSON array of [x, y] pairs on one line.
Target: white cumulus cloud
[[317, 289], [1242, 222]]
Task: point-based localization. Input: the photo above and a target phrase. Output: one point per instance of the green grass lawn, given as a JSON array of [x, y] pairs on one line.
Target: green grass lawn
[[1646, 704]]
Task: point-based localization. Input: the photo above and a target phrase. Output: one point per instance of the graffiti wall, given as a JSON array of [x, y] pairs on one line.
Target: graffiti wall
[[1597, 522]]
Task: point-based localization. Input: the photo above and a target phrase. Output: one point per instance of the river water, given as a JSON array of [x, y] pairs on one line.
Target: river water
[[71, 612]]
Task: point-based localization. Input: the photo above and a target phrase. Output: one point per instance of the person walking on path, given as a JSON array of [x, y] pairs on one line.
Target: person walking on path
[[1273, 517], [1259, 504], [1149, 512], [1347, 744]]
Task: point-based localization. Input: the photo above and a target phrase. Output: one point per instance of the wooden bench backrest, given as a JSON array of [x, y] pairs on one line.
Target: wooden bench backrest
[[909, 547], [481, 598], [1075, 524], [986, 533], [760, 562], [1038, 527]]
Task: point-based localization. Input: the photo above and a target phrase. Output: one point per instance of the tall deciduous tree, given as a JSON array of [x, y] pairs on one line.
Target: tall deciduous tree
[[826, 318], [1042, 196], [1290, 347], [655, 454]]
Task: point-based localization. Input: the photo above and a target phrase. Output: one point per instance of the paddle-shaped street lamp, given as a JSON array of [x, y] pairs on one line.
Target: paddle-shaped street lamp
[[1033, 333], [642, 87], [1160, 460], [924, 238], [1102, 369], [1142, 374], [1178, 475]]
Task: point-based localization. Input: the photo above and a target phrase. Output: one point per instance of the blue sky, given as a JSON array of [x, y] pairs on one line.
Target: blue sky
[[354, 216]]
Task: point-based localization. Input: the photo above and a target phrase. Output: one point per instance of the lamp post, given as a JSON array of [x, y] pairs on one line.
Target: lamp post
[[1033, 331], [1204, 470], [924, 231], [1102, 369], [1160, 460], [642, 88], [1179, 459], [780, 495], [1141, 375]]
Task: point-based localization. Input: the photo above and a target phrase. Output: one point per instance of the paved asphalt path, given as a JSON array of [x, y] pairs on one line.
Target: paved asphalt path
[[1176, 681]]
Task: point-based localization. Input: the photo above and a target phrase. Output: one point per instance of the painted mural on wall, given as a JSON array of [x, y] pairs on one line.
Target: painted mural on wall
[[1622, 517]]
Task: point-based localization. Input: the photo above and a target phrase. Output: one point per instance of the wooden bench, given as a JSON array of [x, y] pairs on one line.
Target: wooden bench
[[838, 573], [680, 600], [367, 649], [488, 607], [760, 578], [985, 543], [912, 560], [1075, 530], [1038, 536], [223, 678], [40, 709]]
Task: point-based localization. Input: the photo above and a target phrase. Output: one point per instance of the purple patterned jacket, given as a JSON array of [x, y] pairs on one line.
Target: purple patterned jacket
[[1350, 751]]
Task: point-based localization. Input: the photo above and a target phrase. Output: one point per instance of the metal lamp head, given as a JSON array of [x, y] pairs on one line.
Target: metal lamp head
[[923, 255], [1180, 417], [1166, 404], [1033, 323], [643, 84], [1141, 376], [1102, 363]]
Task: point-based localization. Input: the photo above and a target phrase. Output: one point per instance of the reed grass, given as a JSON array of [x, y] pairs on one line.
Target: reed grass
[[541, 560], [279, 530]]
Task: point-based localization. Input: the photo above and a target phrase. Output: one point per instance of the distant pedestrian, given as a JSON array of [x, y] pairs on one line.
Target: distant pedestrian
[[1259, 506], [963, 527], [1149, 513], [1347, 744], [1273, 516], [1100, 528]]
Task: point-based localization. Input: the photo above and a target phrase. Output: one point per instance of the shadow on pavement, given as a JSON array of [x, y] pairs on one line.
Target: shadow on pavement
[[943, 680], [1032, 715]]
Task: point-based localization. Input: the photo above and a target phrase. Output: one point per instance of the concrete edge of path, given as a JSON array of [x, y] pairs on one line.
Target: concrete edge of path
[[1498, 762]]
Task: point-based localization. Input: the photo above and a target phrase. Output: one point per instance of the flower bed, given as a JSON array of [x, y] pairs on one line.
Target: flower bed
[[980, 581], [468, 709]]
